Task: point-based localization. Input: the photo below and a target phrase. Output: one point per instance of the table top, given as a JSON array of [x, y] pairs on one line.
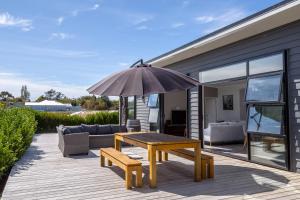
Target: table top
[[157, 138]]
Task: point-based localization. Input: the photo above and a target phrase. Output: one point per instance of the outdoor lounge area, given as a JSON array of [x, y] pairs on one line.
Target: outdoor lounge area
[[43, 173]]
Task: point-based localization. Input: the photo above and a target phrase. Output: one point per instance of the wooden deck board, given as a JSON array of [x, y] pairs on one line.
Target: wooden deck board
[[43, 173]]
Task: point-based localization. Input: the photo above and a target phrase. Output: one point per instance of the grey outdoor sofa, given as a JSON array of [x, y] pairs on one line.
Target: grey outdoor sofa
[[79, 139]]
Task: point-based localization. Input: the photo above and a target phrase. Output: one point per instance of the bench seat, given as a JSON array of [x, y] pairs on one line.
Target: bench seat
[[207, 161], [124, 162]]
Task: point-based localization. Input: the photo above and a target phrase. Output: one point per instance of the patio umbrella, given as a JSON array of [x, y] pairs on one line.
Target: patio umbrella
[[142, 80]]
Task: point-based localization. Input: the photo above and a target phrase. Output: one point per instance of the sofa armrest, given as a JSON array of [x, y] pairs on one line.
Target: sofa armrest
[[76, 138]]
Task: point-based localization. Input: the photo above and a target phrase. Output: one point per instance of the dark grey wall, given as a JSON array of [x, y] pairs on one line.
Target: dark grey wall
[[283, 38]]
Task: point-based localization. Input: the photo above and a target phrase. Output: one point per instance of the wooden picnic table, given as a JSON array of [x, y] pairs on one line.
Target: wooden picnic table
[[160, 142]]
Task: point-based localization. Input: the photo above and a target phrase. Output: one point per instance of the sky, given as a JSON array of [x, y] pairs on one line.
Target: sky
[[68, 45]]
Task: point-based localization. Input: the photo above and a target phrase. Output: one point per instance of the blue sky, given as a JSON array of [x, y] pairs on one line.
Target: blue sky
[[69, 45]]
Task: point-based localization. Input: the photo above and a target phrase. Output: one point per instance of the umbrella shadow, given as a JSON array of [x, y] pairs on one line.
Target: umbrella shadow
[[177, 178]]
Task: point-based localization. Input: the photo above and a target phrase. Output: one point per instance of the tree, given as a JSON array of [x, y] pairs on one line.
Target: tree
[[40, 98], [6, 96], [52, 95], [25, 94]]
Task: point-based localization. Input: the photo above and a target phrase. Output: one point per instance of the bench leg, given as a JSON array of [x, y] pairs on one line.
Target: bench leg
[[159, 155], [165, 156], [118, 145], [203, 169], [128, 176], [211, 168], [109, 163], [138, 177], [102, 161]]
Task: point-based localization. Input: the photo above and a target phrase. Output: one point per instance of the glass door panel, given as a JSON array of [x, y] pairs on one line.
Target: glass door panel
[[268, 150]]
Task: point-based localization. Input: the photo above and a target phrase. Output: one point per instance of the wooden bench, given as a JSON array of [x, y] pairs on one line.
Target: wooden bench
[[207, 161], [125, 163]]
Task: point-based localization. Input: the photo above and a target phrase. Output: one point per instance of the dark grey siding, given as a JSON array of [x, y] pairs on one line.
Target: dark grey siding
[[283, 38], [142, 112]]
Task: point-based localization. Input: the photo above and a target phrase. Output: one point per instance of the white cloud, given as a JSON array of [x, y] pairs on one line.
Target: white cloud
[[205, 19], [60, 20], [214, 22], [61, 36], [141, 19], [95, 7], [177, 25], [39, 52], [143, 27], [7, 20], [185, 3], [76, 12], [229, 16], [123, 64], [14, 82]]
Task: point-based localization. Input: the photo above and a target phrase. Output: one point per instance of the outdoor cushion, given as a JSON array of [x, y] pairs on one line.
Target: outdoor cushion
[[92, 129], [116, 128], [74, 129], [65, 131], [104, 129]]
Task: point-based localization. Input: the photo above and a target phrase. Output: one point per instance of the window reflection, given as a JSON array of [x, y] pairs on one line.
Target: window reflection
[[264, 88], [223, 73], [265, 119], [268, 150], [266, 64]]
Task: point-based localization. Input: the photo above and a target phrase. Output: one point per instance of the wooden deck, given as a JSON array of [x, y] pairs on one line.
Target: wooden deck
[[43, 173]]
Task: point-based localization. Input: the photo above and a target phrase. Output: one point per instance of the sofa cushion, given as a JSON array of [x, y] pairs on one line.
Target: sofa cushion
[[92, 129], [103, 129], [65, 131], [74, 129], [116, 128]]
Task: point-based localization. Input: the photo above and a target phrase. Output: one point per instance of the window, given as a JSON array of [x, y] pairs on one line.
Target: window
[[223, 73], [153, 101], [266, 64], [265, 88], [265, 119], [131, 107], [268, 150]]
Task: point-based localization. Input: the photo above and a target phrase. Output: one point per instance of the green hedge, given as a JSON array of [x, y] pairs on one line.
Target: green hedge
[[48, 121], [17, 127]]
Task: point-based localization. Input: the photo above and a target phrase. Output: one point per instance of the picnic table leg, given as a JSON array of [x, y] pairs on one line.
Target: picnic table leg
[[152, 166], [197, 164], [165, 156], [159, 155], [117, 144], [102, 160]]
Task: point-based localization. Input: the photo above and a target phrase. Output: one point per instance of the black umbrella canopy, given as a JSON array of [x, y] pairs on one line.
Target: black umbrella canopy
[[142, 80]]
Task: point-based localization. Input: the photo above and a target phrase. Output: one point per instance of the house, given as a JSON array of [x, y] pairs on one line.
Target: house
[[50, 106], [247, 105]]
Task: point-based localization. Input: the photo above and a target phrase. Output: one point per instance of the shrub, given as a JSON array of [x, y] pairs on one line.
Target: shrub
[[48, 121], [17, 127]]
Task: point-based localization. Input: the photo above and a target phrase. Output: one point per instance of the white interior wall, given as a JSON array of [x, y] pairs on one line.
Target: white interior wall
[[174, 101], [229, 115]]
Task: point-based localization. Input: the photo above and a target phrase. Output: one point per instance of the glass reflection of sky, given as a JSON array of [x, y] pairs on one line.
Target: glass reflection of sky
[[153, 99], [264, 88], [259, 122]]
